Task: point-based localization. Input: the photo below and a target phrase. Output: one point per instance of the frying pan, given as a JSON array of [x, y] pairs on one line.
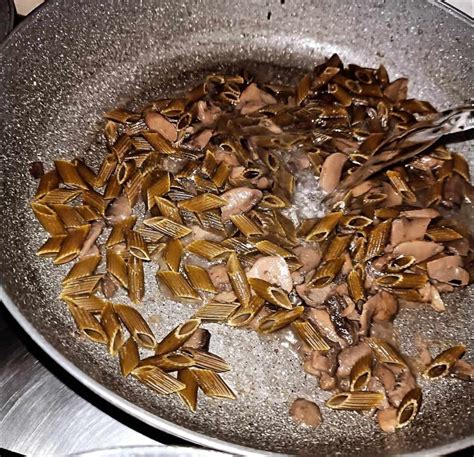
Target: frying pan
[[72, 61]]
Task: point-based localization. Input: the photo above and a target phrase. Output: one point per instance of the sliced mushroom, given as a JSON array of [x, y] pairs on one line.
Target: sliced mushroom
[[208, 115], [387, 419], [463, 370], [317, 363], [393, 197], [363, 188], [380, 307], [349, 356], [89, 243], [220, 278], [239, 201], [459, 247], [199, 340], [421, 250], [200, 140], [331, 171], [270, 126], [309, 257], [430, 213], [274, 270], [227, 157], [306, 412], [155, 121], [252, 99], [109, 286], [225, 297], [448, 269], [315, 297], [264, 183], [321, 318], [404, 229], [405, 381], [199, 233], [118, 210]]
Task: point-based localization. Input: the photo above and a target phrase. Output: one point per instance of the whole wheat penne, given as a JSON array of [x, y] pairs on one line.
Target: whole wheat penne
[[355, 286], [460, 166], [113, 329], [128, 356], [273, 295], [91, 303], [402, 280], [60, 196], [136, 279], [209, 250], [442, 363], [48, 182], [136, 325], [221, 174], [324, 77], [206, 360], [136, 245], [88, 324], [386, 213], [340, 94], [177, 284], [51, 247], [172, 254], [88, 213], [216, 312], [337, 247], [174, 108], [94, 199], [324, 227], [246, 225], [106, 169], [132, 188], [112, 189], [86, 173], [177, 337], [190, 392], [81, 286], [209, 164], [121, 115], [119, 231], [173, 361], [355, 222], [241, 246], [273, 202], [199, 278], [356, 400], [168, 209], [238, 279], [117, 267], [326, 273], [159, 143], [121, 147], [202, 203], [310, 335], [269, 248], [167, 227], [212, 384], [244, 314], [400, 263], [69, 215], [158, 380], [48, 218], [378, 239], [72, 244], [303, 88], [385, 352], [361, 373], [69, 174], [83, 267], [409, 407], [401, 186], [279, 320], [443, 234], [161, 187]]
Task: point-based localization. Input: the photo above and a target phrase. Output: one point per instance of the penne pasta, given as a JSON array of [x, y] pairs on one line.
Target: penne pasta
[[190, 392], [209, 250], [136, 245], [216, 312], [106, 170], [356, 400], [112, 327], [82, 268], [361, 373], [72, 244], [274, 295], [121, 147], [128, 356], [401, 186], [69, 175], [400, 263], [310, 335], [88, 213], [326, 273], [159, 143], [82, 286], [355, 222], [279, 320], [161, 187], [177, 337], [167, 227], [355, 286], [136, 279], [206, 360], [402, 280], [85, 172], [172, 361], [90, 303], [158, 380], [337, 247], [199, 278], [117, 267], [221, 174], [269, 248], [48, 182], [69, 215], [202, 203], [303, 88], [238, 279], [136, 325], [385, 352], [51, 247], [443, 234], [409, 407], [177, 284], [60, 196], [172, 254], [461, 167], [112, 189], [48, 219], [133, 187], [243, 315], [444, 362], [94, 200], [168, 209], [378, 239], [324, 227], [119, 231], [212, 384], [88, 325], [246, 225]]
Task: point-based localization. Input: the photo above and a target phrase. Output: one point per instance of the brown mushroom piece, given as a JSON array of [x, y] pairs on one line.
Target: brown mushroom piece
[[226, 296], [380, 307], [321, 318], [305, 412], [89, 247], [463, 370], [270, 126], [393, 197], [363, 188], [201, 139], [220, 278], [349, 356], [239, 201], [387, 419], [109, 286], [274, 270], [199, 340], [421, 250], [207, 114], [227, 157], [404, 229], [252, 99], [404, 382], [314, 296], [119, 210], [344, 328], [309, 257], [317, 363], [448, 269], [158, 123], [331, 171], [430, 213], [199, 233]]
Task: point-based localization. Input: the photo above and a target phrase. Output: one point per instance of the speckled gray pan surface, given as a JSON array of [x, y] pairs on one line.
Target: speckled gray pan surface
[[74, 60]]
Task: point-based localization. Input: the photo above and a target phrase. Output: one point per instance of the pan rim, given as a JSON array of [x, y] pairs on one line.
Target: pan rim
[[119, 401]]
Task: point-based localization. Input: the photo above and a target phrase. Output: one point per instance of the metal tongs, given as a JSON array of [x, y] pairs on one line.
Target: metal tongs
[[406, 145]]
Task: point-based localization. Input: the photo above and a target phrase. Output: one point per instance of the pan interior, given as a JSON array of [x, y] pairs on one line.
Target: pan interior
[[52, 104]]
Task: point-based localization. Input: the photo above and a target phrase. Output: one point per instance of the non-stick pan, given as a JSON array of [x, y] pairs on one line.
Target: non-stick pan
[[72, 61]]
